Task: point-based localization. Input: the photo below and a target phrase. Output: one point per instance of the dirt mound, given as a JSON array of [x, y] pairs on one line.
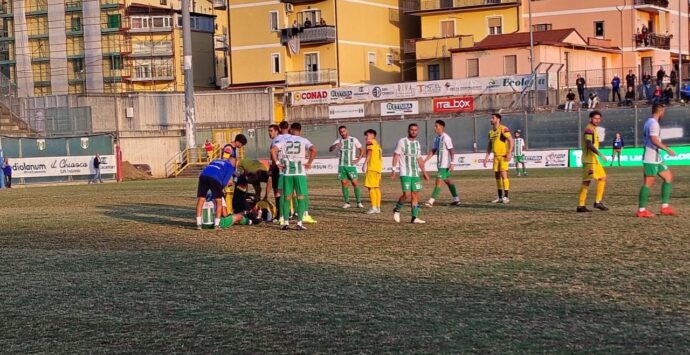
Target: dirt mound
[[130, 172]]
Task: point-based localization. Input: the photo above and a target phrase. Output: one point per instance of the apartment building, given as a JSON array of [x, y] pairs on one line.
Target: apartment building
[[51, 47], [451, 24], [295, 44]]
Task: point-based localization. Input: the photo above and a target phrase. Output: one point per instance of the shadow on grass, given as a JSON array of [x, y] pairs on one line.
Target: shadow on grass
[[168, 215]]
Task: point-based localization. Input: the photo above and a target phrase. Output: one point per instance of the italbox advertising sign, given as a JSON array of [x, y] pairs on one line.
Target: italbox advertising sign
[[454, 104]]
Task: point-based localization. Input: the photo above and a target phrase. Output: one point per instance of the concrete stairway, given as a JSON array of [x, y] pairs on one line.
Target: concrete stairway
[[11, 125]]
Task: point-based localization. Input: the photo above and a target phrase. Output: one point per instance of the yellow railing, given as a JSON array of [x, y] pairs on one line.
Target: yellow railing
[[191, 157]]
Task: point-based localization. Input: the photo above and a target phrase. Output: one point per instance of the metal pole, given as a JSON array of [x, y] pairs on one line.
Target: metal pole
[[190, 119], [531, 55], [680, 49]]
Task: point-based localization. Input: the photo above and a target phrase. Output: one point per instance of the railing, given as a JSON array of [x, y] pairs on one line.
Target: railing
[[318, 34], [190, 157], [219, 4], [428, 48], [652, 40], [220, 43], [326, 76], [659, 3], [429, 5], [74, 5], [410, 46]]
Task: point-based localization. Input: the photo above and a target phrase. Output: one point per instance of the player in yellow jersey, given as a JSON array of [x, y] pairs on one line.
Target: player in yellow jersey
[[373, 165], [591, 167], [501, 145]]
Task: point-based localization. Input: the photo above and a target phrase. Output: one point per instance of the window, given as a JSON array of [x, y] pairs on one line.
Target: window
[[164, 2], [371, 58], [76, 24], [116, 62], [77, 66], [542, 27], [510, 65], [389, 59], [275, 63], [273, 20], [472, 68], [153, 68], [434, 71], [313, 16], [311, 62], [599, 29], [495, 25], [114, 21], [448, 28], [146, 22]]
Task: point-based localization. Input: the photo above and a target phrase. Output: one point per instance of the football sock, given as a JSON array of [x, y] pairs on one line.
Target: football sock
[[644, 197], [601, 185], [216, 221], [583, 195], [285, 213], [346, 194], [358, 194], [665, 192], [301, 205], [198, 221], [398, 206], [436, 192], [500, 193], [415, 211], [505, 193], [377, 197], [453, 190], [279, 210], [506, 185]]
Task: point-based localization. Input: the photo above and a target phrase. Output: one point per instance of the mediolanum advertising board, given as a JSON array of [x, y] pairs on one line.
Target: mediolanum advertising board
[[633, 156], [400, 108], [60, 166]]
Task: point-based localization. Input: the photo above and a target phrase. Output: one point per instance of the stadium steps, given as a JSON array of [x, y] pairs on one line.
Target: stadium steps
[[12, 125], [192, 171]]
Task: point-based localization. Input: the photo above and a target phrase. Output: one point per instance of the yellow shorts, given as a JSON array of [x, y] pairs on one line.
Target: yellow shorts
[[592, 172], [500, 163], [372, 179]]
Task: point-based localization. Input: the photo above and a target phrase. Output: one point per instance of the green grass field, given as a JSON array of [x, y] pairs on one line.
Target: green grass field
[[120, 268]]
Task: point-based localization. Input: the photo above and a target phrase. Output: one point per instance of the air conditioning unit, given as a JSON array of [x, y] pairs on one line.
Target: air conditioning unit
[[223, 82], [289, 7]]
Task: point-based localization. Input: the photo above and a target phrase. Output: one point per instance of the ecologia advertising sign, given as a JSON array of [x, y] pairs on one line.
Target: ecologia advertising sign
[[633, 156]]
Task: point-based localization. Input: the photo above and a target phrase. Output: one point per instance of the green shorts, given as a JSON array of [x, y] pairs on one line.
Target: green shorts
[[411, 184], [347, 173], [654, 169], [297, 184], [443, 173], [519, 158], [226, 222]]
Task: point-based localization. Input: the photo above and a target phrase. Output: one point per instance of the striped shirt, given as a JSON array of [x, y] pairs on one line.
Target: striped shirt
[[652, 154], [275, 141], [519, 147], [294, 154], [442, 146], [408, 151], [349, 150]]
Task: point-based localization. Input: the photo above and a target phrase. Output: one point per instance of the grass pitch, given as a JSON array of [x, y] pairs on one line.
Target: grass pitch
[[119, 268]]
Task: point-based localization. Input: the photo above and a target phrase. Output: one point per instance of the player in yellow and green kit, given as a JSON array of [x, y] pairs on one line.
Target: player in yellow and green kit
[[591, 166], [351, 151], [501, 145], [373, 165]]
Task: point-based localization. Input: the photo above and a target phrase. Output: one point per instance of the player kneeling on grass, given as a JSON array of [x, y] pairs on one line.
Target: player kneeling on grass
[[501, 145], [591, 167], [408, 154], [214, 178], [654, 165], [443, 149]]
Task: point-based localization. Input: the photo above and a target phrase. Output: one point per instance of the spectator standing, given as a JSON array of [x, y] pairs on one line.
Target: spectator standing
[[660, 75], [630, 80], [674, 82], [618, 145], [97, 169], [668, 94], [7, 170], [307, 23], [616, 88], [209, 150], [581, 83], [569, 100], [647, 83]]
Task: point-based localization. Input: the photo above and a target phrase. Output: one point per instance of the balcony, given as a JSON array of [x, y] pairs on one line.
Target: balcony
[[424, 6], [71, 6], [651, 6], [652, 41], [430, 48], [299, 2], [309, 35], [220, 43], [300, 78], [220, 4]]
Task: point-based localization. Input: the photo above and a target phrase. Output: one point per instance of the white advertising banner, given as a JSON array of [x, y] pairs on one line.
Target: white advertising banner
[[346, 111], [468, 161], [399, 108], [60, 166], [436, 88]]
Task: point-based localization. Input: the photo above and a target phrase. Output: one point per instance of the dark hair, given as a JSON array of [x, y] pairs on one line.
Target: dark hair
[[411, 125], [594, 113], [370, 131], [341, 127], [497, 115], [241, 138], [296, 126], [441, 123], [274, 126], [284, 125], [656, 108]]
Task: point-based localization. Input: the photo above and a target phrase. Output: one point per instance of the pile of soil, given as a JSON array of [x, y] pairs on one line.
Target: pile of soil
[[131, 173]]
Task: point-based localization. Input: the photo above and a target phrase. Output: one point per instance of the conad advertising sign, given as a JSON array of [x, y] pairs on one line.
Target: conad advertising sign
[[60, 166], [633, 156], [454, 104], [400, 108]]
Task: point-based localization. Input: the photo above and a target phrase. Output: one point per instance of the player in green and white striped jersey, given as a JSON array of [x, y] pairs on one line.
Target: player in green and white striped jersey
[[519, 153], [293, 150], [408, 155], [351, 151], [443, 150]]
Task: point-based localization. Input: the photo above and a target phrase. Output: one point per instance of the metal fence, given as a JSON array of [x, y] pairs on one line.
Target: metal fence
[[553, 130]]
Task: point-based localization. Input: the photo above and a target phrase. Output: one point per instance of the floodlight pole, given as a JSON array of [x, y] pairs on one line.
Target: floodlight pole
[[190, 118], [531, 57]]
